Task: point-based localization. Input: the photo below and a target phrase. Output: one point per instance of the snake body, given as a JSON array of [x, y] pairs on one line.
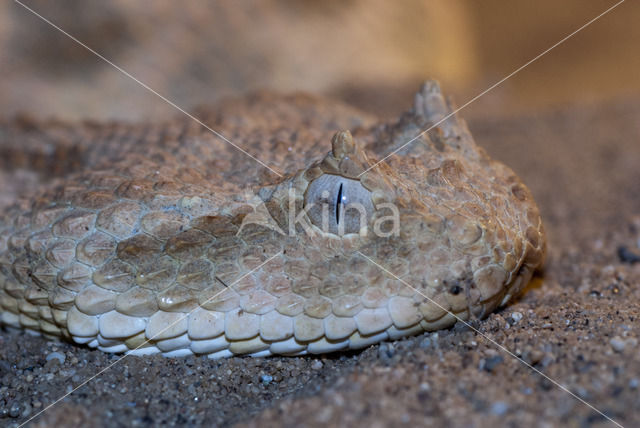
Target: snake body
[[161, 238]]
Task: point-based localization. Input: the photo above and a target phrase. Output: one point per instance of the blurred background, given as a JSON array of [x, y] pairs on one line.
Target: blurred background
[[370, 53]]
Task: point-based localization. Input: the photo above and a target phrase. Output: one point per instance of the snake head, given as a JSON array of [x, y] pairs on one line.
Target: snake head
[[422, 223], [459, 227]]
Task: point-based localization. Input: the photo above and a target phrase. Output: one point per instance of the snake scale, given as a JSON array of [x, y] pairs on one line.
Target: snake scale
[[161, 238]]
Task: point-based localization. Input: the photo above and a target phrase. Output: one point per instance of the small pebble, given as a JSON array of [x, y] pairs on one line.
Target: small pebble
[[516, 317], [582, 392], [633, 383], [266, 379], [627, 255], [14, 410], [547, 359], [491, 363], [499, 408], [26, 411], [67, 373], [618, 344], [425, 343], [386, 351], [56, 355], [316, 365]]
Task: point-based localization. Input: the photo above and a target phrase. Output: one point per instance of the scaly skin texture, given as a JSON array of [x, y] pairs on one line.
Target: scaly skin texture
[[158, 241]]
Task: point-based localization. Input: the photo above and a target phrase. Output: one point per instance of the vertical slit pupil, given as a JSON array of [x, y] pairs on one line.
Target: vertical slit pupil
[[338, 202]]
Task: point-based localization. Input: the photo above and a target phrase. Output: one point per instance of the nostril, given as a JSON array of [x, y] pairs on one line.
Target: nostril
[[455, 289]]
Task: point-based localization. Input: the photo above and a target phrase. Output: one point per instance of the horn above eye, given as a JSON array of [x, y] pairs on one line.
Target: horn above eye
[[338, 205]]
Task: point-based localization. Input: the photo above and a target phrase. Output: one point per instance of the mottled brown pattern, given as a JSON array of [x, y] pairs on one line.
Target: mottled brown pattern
[[150, 238]]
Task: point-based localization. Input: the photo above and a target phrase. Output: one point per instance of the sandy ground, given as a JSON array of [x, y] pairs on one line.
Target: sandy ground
[[578, 323]]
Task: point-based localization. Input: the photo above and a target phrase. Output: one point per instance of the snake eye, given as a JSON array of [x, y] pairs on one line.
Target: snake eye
[[338, 205]]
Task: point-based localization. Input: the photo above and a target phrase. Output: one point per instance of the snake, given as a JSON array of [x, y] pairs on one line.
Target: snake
[[161, 237]]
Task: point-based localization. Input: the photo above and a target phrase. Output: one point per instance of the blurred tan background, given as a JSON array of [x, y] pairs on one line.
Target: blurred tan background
[[371, 53]]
